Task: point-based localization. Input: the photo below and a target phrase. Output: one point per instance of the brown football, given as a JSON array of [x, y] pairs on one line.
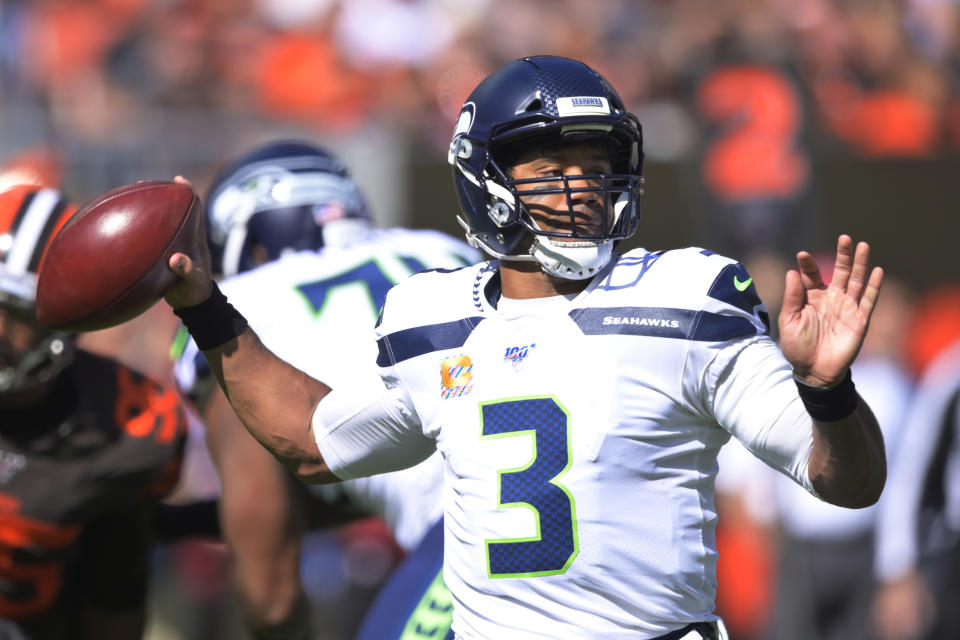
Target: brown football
[[109, 262]]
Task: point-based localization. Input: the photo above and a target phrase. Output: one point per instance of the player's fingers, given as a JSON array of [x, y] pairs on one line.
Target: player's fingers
[[182, 180], [181, 265], [844, 262], [793, 291], [194, 285], [858, 274], [872, 292], [809, 272]]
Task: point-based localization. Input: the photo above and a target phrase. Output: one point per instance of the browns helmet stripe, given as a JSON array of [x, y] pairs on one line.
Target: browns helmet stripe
[[13, 207], [57, 218], [32, 223], [29, 226], [29, 217], [22, 211]]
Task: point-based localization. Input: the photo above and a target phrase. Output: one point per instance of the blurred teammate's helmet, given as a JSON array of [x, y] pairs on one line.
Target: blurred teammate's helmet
[[283, 196], [29, 217], [538, 101]]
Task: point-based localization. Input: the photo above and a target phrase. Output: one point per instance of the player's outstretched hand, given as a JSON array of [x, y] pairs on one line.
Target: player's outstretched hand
[[193, 270], [822, 327]]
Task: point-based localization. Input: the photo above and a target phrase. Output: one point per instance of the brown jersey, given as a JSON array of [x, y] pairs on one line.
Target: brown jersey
[[79, 473]]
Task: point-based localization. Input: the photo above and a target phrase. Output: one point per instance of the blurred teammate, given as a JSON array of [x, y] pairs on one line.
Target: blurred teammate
[[291, 230], [918, 540], [86, 447], [578, 398]]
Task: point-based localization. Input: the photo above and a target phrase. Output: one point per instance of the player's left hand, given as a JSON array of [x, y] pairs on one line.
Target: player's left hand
[[822, 327]]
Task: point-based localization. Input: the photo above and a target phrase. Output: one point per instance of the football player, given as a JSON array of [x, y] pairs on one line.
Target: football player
[[290, 230], [87, 447], [578, 397]]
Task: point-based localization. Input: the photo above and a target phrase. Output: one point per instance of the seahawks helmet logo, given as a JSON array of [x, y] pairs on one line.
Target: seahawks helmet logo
[[460, 146], [465, 121]]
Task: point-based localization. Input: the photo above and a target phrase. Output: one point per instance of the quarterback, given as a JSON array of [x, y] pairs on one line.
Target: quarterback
[[578, 397]]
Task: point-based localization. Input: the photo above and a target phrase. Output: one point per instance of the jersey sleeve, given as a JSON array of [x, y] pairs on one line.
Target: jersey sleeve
[[363, 430], [756, 400], [373, 425], [737, 375]]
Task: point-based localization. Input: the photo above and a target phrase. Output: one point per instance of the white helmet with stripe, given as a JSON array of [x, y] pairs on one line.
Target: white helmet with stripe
[[30, 215]]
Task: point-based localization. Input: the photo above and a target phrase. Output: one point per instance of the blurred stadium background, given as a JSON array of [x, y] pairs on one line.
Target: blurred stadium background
[[770, 126]]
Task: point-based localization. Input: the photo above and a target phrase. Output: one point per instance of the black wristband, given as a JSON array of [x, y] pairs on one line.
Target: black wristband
[[830, 405], [213, 322]]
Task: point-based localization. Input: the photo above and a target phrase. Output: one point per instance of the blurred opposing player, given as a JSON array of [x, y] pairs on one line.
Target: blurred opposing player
[[579, 398], [291, 231], [86, 448]]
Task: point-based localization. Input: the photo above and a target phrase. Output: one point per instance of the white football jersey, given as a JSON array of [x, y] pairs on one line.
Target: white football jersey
[[580, 437], [317, 310]]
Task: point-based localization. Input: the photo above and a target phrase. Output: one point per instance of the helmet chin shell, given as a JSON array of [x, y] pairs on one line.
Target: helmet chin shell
[[525, 103], [571, 260]]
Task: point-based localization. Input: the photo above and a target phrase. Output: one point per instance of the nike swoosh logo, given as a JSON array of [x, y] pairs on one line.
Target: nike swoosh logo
[[741, 286]]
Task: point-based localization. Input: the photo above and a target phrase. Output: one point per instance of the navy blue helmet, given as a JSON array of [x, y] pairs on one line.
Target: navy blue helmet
[[283, 196], [529, 102]]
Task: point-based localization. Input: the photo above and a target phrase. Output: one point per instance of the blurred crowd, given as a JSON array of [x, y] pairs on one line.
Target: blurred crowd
[[97, 93], [109, 77], [792, 567]]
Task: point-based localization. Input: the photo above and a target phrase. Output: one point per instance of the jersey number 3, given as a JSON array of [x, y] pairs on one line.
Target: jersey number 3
[[534, 486]]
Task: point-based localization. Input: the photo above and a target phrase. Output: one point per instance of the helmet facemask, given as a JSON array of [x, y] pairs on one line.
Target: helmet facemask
[[575, 242], [28, 366], [527, 105]]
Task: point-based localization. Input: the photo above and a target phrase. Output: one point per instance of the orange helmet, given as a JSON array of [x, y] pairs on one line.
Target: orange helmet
[[29, 217]]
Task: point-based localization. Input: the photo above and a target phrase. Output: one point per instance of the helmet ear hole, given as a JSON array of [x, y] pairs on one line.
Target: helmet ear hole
[[502, 215], [463, 148]]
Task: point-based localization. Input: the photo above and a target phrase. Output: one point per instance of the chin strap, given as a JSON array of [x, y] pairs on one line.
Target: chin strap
[[571, 260], [41, 364]]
